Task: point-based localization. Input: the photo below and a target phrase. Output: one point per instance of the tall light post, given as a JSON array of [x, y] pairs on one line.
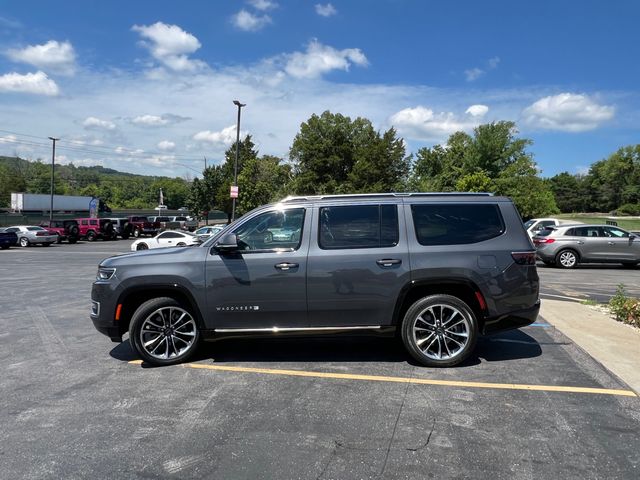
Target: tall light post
[[53, 163], [235, 169]]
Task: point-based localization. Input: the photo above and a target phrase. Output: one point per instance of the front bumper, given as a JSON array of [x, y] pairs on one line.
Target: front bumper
[[103, 311], [517, 319]]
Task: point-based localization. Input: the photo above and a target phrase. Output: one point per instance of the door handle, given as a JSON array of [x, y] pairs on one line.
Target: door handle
[[388, 262], [285, 266]]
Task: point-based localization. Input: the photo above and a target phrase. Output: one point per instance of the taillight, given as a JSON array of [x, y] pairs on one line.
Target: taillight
[[524, 258], [540, 241]]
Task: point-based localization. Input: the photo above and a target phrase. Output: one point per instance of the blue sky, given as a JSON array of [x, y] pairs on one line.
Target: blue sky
[[147, 87]]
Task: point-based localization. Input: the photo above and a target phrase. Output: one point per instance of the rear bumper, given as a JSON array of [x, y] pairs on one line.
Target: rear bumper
[[517, 319]]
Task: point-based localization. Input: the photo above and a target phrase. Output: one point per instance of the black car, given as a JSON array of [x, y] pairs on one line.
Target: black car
[[7, 239]]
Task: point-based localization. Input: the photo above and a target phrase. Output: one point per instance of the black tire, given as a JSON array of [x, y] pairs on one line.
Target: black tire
[[453, 349], [142, 246], [136, 233], [59, 240], [181, 244], [567, 258], [74, 232], [24, 242], [48, 244], [178, 336], [4, 247], [91, 236]]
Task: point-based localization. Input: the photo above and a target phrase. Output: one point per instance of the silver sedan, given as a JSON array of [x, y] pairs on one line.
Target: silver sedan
[[29, 235]]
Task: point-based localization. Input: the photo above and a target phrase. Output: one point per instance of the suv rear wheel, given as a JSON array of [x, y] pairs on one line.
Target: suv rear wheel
[[439, 331], [163, 331]]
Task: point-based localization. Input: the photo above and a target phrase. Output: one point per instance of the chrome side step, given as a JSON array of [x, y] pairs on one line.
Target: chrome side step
[[294, 329]]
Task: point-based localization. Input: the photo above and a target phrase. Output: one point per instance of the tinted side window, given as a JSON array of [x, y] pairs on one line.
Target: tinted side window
[[358, 226], [586, 232], [456, 224], [272, 231], [615, 232]]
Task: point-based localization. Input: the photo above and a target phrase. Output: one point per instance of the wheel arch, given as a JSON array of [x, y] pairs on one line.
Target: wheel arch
[[464, 289], [133, 297]]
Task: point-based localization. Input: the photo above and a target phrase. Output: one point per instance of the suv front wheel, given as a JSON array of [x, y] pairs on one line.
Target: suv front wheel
[[163, 332], [439, 331]]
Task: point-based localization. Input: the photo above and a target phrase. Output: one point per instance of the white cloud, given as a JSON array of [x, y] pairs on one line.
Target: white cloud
[[36, 83], [93, 123], [170, 45], [320, 59], [263, 5], [325, 10], [422, 123], [53, 56], [226, 136], [477, 110], [8, 139], [166, 145], [157, 120], [567, 112], [475, 73], [250, 22], [150, 120]]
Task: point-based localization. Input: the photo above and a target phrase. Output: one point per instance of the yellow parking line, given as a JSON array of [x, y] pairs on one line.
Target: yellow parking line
[[418, 381]]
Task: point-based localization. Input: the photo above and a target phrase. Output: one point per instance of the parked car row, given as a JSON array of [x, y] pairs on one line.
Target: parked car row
[[91, 229], [566, 246]]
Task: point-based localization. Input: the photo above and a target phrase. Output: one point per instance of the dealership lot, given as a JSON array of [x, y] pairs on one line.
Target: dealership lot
[[75, 405]]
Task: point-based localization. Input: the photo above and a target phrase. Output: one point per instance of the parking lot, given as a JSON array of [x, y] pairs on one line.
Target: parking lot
[[528, 404]]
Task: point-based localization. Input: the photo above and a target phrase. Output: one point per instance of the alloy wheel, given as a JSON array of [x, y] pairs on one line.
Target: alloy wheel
[[441, 331], [168, 333]]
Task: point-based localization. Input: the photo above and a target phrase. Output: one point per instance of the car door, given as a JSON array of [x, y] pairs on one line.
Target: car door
[[589, 241], [621, 245], [262, 284], [358, 262]]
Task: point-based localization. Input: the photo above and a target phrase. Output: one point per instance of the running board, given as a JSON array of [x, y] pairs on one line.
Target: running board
[[293, 329]]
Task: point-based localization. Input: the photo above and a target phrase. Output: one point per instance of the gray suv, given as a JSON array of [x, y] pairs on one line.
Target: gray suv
[[435, 269], [568, 245]]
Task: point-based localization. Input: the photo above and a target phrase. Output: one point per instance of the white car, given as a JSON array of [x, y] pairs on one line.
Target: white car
[[169, 238], [29, 235], [536, 225], [205, 232]]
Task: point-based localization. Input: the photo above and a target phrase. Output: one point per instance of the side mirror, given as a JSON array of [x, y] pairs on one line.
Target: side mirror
[[228, 243]]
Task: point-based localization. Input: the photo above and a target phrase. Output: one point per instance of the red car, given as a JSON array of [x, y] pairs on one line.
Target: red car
[[66, 229], [94, 228]]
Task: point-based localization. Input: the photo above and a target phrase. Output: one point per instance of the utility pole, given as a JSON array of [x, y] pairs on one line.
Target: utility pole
[[53, 163], [205, 163], [235, 169]]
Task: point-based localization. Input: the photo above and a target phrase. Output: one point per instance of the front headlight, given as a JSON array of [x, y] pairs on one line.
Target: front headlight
[[105, 273]]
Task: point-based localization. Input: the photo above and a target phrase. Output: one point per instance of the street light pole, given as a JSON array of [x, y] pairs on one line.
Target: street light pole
[[235, 169], [53, 163]]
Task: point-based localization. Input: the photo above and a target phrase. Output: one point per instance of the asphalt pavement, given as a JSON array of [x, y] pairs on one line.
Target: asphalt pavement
[[528, 404]]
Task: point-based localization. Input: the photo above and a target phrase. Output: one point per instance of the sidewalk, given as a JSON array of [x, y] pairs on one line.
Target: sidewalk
[[614, 344]]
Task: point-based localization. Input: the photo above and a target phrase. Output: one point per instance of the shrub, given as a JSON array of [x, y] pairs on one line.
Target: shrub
[[629, 209], [626, 309]]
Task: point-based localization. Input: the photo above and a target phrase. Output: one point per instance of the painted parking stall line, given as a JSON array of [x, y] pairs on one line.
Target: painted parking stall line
[[405, 380]]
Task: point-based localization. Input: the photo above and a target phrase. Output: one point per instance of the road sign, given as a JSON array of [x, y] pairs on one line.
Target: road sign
[[234, 192]]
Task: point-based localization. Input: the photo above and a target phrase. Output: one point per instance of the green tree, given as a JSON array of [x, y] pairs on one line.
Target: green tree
[[492, 159], [263, 180], [334, 154]]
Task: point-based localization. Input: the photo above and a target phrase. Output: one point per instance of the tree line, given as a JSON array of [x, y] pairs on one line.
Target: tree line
[[116, 189], [334, 154]]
